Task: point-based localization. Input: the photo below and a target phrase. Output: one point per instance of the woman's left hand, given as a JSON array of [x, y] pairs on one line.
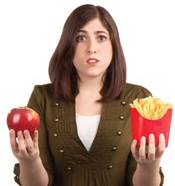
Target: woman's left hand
[[148, 156]]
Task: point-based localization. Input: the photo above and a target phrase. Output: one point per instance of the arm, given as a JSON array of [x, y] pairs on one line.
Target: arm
[[33, 170], [148, 163], [27, 152], [37, 102], [148, 176]]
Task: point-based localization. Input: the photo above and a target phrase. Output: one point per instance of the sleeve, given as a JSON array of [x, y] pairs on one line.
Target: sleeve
[[130, 169], [16, 172], [37, 102], [131, 163], [143, 92]]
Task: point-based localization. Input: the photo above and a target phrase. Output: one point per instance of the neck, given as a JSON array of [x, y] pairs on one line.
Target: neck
[[90, 85]]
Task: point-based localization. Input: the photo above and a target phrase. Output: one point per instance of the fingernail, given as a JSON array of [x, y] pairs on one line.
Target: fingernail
[[143, 137], [19, 132]]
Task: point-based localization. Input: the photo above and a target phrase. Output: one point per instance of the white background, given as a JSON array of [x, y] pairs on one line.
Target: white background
[[29, 33]]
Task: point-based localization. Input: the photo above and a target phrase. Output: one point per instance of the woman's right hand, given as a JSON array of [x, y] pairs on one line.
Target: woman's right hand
[[24, 147]]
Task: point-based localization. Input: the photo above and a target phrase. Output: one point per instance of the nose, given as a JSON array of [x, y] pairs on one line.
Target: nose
[[92, 47], [92, 52]]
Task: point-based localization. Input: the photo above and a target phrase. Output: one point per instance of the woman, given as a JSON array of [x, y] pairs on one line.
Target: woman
[[84, 137]]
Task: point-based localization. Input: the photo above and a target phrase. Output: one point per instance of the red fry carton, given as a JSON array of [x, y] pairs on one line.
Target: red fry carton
[[141, 126]]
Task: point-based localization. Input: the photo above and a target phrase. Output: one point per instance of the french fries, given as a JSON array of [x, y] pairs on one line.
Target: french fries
[[151, 107]]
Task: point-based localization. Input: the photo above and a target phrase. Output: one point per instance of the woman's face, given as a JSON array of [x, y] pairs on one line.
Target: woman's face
[[93, 52]]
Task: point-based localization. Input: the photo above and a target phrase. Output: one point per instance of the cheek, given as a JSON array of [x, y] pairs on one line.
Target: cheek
[[77, 58], [107, 55], [107, 48], [81, 47], [79, 51]]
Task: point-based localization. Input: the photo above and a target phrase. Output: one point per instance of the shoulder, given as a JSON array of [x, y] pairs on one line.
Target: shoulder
[[41, 93], [132, 91], [43, 90], [43, 87], [136, 88], [40, 97]]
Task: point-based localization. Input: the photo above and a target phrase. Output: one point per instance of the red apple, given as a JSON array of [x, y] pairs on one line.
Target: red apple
[[23, 118]]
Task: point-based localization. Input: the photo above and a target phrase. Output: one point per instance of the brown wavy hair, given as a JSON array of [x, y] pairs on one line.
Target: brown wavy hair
[[62, 72]]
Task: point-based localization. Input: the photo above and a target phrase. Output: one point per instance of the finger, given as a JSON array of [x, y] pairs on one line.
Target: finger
[[134, 149], [21, 143], [35, 139], [151, 147], [142, 148], [28, 141], [161, 146], [13, 143]]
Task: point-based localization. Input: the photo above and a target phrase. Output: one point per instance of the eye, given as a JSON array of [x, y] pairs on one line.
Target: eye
[[102, 38], [80, 38]]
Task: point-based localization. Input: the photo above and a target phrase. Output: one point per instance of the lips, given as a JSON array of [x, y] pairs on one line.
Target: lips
[[92, 61]]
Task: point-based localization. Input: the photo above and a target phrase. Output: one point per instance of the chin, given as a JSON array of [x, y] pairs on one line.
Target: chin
[[94, 75]]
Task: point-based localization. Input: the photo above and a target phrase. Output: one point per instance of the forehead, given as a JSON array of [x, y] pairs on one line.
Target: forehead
[[94, 26]]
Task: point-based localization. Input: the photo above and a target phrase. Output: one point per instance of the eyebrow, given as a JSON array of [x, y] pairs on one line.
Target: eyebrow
[[96, 32]]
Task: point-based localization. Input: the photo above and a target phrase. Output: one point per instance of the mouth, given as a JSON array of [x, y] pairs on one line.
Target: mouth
[[92, 61]]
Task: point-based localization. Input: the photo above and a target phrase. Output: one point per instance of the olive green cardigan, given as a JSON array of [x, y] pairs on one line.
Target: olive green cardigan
[[109, 161]]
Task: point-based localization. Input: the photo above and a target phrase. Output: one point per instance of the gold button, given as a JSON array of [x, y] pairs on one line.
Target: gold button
[[69, 168], [56, 119], [114, 148], [122, 117], [110, 167], [61, 150], [119, 133], [57, 104], [55, 134], [123, 102]]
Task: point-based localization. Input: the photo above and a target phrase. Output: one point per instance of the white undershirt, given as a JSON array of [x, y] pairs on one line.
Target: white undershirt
[[87, 128]]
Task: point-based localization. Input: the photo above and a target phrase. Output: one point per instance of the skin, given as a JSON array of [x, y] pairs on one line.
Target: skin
[[26, 146], [92, 37], [148, 159], [26, 150]]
